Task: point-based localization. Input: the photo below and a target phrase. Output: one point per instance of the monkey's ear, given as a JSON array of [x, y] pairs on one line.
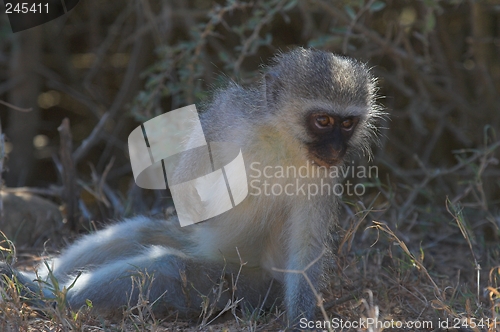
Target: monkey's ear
[[273, 86]]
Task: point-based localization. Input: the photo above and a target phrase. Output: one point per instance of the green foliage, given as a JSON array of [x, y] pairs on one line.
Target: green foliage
[[179, 72]]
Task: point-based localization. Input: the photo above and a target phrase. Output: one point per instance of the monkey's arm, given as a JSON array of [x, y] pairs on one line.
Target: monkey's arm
[[305, 263]]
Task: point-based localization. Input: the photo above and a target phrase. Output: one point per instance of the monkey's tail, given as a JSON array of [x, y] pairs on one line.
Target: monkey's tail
[[30, 288]]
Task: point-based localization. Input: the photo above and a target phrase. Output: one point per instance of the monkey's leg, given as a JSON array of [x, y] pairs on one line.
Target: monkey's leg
[[161, 273], [119, 241]]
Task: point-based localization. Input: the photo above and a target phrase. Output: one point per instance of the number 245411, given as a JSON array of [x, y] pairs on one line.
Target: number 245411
[[24, 8]]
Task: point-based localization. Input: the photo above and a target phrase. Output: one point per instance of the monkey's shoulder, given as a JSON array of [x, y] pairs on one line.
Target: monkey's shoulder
[[233, 100]]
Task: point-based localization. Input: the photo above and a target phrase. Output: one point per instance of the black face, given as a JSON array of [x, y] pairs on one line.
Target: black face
[[330, 134]]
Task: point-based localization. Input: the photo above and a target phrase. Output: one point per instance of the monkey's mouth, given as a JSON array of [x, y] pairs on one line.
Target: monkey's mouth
[[321, 161]]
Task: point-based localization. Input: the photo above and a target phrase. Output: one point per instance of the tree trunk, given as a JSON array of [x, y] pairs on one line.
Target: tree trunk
[[23, 126]]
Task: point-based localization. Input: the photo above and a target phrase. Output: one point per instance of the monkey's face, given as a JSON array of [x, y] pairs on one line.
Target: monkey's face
[[328, 102], [329, 136]]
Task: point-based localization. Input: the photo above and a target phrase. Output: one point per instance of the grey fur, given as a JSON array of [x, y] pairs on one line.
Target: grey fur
[[267, 233]]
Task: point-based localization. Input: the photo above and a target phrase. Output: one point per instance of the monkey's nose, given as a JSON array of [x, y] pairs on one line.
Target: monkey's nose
[[337, 153]]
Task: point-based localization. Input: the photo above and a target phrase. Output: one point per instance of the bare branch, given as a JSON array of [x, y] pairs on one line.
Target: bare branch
[[15, 107], [68, 174]]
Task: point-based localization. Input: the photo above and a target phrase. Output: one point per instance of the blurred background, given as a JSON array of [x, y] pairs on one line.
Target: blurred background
[[109, 66], [72, 90]]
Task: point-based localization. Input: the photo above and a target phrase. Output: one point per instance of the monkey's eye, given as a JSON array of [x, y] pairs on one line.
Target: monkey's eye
[[347, 124], [323, 121]]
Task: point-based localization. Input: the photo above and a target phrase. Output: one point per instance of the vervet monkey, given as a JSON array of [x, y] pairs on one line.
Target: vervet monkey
[[310, 110]]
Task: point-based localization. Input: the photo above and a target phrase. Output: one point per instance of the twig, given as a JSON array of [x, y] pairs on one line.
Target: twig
[[353, 23], [216, 18], [53, 191], [468, 236], [2, 156], [98, 183], [385, 228], [431, 174], [130, 77], [153, 24], [122, 94], [91, 140], [113, 31], [255, 35], [351, 296], [15, 107], [114, 200], [68, 173], [413, 62], [55, 81], [112, 141]]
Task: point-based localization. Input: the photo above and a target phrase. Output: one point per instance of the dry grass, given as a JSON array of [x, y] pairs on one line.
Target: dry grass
[[438, 264], [386, 281]]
